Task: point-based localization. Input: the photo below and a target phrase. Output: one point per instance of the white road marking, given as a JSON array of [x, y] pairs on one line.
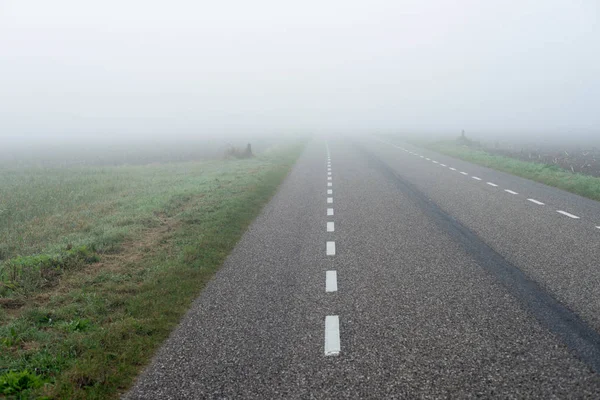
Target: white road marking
[[567, 214], [422, 156], [330, 227], [435, 162], [330, 211], [598, 227], [328, 178], [443, 165], [331, 248], [510, 191], [476, 178], [331, 281], [329, 191], [428, 159], [453, 169], [464, 173], [536, 202], [329, 184], [328, 168], [329, 200], [492, 184], [332, 335], [329, 173]]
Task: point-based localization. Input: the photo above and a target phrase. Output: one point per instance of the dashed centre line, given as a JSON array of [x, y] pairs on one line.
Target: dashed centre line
[[329, 191], [330, 211], [329, 200], [332, 335], [443, 165], [452, 169], [331, 281], [329, 184], [567, 214], [464, 173], [476, 178], [536, 202], [330, 227], [331, 248], [492, 184], [435, 162], [510, 191], [328, 178]]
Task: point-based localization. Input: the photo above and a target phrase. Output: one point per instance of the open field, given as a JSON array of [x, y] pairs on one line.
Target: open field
[[98, 264], [574, 170]]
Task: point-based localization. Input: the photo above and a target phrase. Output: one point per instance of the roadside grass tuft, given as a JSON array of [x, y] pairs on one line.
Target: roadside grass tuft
[[130, 264], [583, 185]]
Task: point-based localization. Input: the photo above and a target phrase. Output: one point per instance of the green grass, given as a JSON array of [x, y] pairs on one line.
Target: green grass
[[583, 185], [73, 327]]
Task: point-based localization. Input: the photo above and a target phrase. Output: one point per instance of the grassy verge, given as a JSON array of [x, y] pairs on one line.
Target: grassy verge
[[583, 185], [99, 264]]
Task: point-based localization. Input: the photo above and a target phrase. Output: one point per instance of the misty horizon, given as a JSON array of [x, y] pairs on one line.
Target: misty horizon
[[74, 71]]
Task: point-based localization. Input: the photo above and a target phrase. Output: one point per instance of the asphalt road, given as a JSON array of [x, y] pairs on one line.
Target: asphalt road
[[409, 279]]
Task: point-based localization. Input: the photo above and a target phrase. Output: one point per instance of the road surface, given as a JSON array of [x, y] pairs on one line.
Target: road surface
[[381, 270]]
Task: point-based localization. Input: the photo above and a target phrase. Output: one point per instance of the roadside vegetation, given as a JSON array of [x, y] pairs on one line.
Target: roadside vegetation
[[98, 264], [539, 171]]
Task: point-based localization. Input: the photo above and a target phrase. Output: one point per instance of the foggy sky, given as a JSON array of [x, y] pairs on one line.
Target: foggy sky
[[73, 68]]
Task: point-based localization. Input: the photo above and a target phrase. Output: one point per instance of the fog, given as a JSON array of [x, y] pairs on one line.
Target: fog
[[74, 70]]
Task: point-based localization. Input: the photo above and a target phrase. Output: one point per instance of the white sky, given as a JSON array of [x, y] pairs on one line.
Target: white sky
[[136, 68]]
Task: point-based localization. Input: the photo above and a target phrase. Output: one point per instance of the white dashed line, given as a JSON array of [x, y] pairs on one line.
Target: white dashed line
[[329, 184], [330, 211], [492, 184], [329, 173], [329, 191], [476, 178], [464, 173], [510, 191], [435, 162], [536, 202], [330, 227], [452, 169], [428, 159], [567, 214], [329, 200], [328, 178], [331, 248], [422, 156], [331, 281], [332, 335], [598, 227], [443, 165]]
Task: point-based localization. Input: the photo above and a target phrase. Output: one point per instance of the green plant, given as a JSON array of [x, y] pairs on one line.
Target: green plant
[[16, 383]]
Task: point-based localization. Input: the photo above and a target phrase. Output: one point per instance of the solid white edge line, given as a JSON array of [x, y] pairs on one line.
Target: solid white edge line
[[510, 191], [567, 214], [332, 335], [536, 202], [331, 281], [492, 184], [330, 211], [329, 200], [331, 248], [476, 178], [330, 227]]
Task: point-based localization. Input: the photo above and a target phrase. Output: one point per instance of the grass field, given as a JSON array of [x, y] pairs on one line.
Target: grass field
[[98, 264], [583, 185]]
